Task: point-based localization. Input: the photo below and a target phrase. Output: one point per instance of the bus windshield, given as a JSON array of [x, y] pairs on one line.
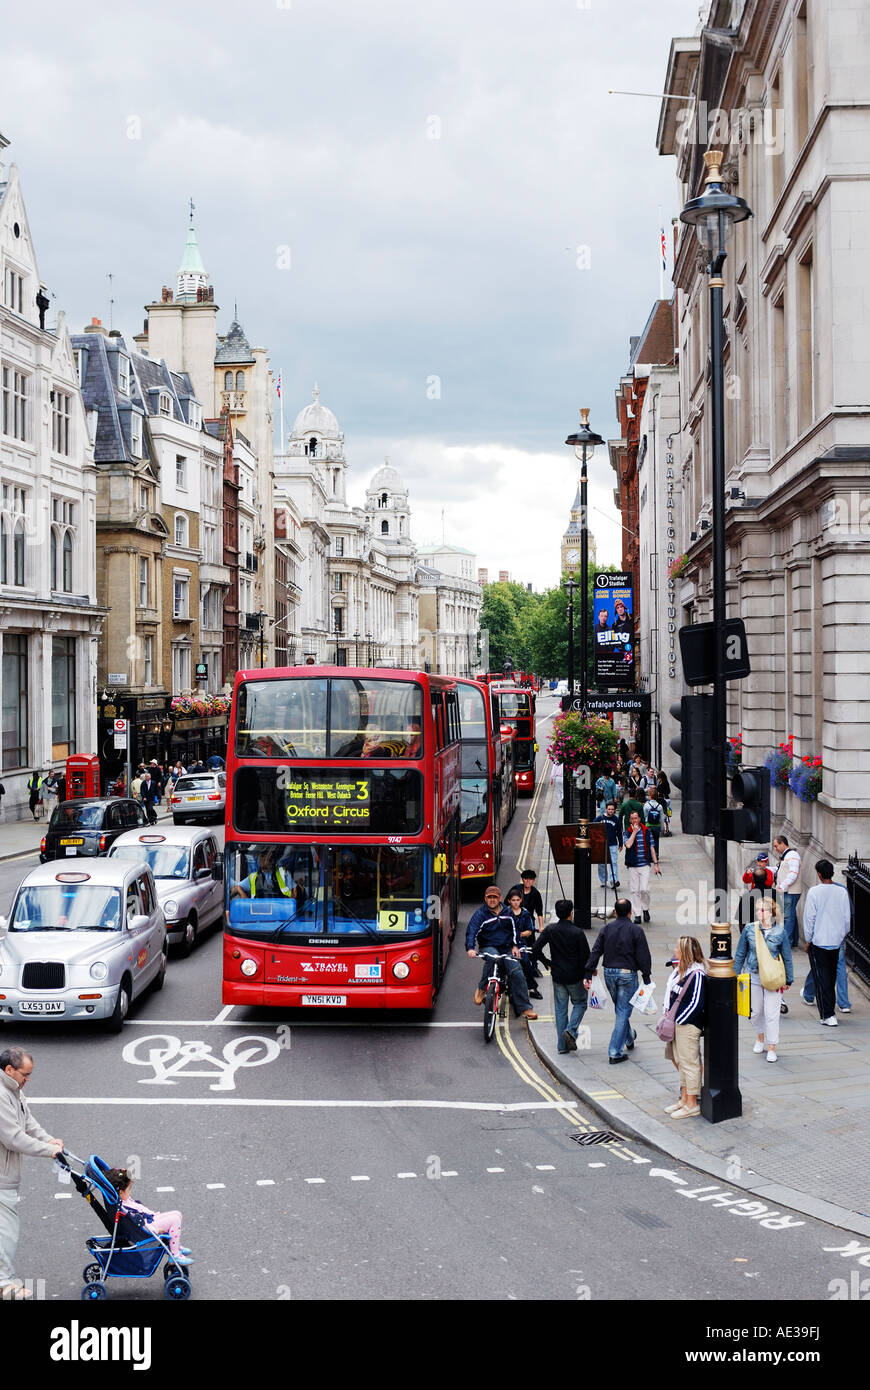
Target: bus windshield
[[512, 703], [284, 890], [329, 717]]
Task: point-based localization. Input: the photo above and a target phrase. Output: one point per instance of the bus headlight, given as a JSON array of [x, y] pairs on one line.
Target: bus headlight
[[99, 970], [249, 967], [401, 970]]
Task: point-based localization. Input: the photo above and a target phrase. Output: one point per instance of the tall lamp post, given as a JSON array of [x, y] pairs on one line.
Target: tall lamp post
[[570, 584], [713, 215], [583, 442]]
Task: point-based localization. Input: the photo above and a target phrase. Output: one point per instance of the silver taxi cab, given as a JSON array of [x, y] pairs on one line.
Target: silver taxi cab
[[188, 872], [82, 942]]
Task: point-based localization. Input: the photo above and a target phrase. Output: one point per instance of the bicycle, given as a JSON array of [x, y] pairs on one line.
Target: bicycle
[[496, 992]]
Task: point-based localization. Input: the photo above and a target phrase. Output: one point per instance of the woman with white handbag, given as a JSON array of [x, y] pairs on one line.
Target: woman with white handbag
[[682, 1023], [764, 948]]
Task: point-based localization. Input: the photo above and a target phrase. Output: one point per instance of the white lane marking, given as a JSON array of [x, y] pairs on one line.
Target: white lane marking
[[298, 1023], [62, 1196], [265, 1182], [450, 1173], [315, 1179], [406, 1175], [495, 1170], [494, 1106], [164, 1189], [213, 1186], [597, 1165], [545, 1168], [360, 1177], [224, 1013]]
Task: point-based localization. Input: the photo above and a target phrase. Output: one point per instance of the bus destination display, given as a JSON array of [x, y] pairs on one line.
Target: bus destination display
[[328, 799]]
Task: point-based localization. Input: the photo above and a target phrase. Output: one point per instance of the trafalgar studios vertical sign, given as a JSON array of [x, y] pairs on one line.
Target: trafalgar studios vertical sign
[[671, 554], [613, 626]]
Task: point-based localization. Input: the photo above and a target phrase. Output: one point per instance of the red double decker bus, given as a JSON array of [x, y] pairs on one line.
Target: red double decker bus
[[489, 794], [342, 837], [514, 709]]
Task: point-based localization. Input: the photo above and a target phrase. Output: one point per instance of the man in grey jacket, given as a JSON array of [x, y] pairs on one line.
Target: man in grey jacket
[[19, 1134]]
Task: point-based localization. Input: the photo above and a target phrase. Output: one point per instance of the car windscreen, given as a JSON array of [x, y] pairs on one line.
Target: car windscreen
[[195, 784], [165, 861], [67, 907], [69, 816]]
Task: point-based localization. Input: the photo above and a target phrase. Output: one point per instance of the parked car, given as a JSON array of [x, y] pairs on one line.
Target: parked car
[[89, 825], [188, 872], [199, 795], [82, 942]]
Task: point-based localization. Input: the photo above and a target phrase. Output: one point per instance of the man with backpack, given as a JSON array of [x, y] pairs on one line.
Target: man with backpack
[[654, 815]]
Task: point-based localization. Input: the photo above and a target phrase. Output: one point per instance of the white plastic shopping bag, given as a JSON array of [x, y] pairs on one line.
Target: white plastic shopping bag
[[643, 999], [598, 996]]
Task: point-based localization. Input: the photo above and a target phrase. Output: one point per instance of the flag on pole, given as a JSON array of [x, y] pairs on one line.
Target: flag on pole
[[278, 388], [664, 248]]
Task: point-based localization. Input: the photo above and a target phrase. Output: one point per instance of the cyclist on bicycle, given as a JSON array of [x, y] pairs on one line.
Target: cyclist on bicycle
[[493, 931]]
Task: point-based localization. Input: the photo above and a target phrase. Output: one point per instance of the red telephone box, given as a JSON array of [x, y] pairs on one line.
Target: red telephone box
[[82, 775]]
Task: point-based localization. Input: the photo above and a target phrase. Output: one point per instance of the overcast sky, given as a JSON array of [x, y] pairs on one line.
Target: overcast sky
[[430, 169]]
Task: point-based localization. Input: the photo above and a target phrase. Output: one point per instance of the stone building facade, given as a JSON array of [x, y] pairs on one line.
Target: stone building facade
[[50, 615], [450, 602], [781, 86]]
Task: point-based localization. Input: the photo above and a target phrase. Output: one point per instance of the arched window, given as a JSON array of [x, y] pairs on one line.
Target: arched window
[[312, 447], [383, 499], [180, 528], [18, 554], [240, 381], [54, 568], [385, 528], [67, 562], [228, 381], [4, 551]]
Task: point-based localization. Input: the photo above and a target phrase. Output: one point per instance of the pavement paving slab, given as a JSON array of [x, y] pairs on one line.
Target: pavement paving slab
[[803, 1140]]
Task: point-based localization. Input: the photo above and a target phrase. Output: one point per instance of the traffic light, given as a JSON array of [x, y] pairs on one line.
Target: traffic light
[[751, 820], [694, 745]]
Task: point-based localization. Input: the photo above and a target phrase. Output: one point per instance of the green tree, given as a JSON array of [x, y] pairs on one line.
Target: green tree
[[499, 616]]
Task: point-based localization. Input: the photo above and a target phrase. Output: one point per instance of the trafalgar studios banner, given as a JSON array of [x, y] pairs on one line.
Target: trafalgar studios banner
[[613, 625]]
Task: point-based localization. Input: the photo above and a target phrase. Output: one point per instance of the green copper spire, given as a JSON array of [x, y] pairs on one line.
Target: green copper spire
[[191, 261]]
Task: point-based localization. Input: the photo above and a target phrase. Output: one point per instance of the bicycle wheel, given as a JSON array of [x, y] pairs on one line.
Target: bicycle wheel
[[490, 1010]]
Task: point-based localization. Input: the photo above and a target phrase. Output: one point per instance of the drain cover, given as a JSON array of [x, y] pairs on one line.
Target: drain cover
[[596, 1136]]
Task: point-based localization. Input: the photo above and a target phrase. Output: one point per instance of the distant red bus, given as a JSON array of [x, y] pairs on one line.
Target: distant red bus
[[342, 837], [488, 789], [514, 709]]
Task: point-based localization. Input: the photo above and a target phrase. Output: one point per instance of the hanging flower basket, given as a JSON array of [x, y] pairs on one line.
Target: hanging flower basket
[[577, 742], [805, 778], [678, 566], [779, 763], [199, 704]]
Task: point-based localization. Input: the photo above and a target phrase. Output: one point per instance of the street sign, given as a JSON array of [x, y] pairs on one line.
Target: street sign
[[201, 671], [698, 650], [120, 726], [563, 840], [120, 742], [117, 678], [604, 704]]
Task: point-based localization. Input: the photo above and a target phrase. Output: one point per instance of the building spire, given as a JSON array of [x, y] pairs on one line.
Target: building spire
[[192, 274]]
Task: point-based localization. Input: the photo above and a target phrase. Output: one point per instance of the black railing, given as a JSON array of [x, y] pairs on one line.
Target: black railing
[[858, 940]]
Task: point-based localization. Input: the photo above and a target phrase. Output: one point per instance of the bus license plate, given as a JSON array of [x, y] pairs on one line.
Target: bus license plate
[[330, 1001], [52, 1006]]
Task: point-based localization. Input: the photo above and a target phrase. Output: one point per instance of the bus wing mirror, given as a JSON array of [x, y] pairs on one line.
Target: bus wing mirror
[[440, 863], [217, 871]]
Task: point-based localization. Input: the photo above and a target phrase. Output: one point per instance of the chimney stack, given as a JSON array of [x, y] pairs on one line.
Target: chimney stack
[[96, 326]]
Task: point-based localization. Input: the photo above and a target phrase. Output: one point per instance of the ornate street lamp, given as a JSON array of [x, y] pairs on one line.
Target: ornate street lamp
[[713, 215]]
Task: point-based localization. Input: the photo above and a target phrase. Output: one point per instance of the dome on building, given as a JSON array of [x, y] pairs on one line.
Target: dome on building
[[387, 479], [316, 419]]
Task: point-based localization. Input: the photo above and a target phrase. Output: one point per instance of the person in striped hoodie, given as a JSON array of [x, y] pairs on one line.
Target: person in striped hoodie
[[685, 1050]]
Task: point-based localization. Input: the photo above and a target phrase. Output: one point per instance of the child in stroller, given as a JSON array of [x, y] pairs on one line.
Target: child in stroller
[[159, 1223], [136, 1244]]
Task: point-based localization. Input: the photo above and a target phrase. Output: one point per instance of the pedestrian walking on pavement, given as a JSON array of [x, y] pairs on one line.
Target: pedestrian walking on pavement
[[569, 954], [624, 950], [827, 919], [653, 816], [787, 879], [2, 794], [148, 796], [19, 1134], [557, 780], [34, 787], [640, 860], [687, 990], [663, 794], [610, 821], [765, 937], [759, 879]]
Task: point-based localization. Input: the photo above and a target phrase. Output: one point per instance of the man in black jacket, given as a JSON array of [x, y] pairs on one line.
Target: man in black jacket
[[625, 950], [492, 931], [569, 953]]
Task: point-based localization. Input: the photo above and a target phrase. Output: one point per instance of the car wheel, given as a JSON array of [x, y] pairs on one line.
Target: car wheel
[[188, 941], [115, 1022], [160, 977], [179, 820]]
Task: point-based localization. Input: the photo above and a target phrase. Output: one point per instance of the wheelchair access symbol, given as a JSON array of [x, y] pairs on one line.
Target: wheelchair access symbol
[[171, 1059]]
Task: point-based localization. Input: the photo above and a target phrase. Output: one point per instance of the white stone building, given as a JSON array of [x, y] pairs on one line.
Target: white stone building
[[450, 602], [49, 618], [781, 85]]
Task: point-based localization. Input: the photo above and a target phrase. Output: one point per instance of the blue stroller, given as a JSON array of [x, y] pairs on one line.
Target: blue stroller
[[128, 1251]]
